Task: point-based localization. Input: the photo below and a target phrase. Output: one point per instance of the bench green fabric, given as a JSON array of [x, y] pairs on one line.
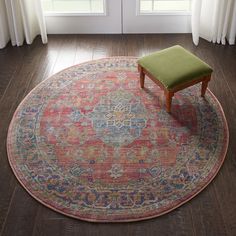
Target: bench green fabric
[[174, 66]]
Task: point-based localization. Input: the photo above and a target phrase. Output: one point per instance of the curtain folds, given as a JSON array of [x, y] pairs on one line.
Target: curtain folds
[[214, 20], [21, 20]]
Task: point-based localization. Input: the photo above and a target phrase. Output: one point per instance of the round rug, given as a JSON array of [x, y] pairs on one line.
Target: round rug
[[91, 144]]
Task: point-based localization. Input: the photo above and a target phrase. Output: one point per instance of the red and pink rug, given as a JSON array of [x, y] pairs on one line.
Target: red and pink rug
[[91, 144]]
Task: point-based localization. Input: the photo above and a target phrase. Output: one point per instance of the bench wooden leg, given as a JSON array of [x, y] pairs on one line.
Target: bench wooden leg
[[169, 96], [142, 76], [204, 86]]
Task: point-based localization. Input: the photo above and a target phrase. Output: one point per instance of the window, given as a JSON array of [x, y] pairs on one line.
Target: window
[[89, 7], [159, 6]]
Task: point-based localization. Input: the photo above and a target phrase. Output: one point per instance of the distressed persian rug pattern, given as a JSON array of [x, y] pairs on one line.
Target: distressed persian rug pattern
[[90, 143]]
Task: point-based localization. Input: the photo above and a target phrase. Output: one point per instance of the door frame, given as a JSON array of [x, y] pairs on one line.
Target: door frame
[[121, 17], [83, 23], [161, 22]]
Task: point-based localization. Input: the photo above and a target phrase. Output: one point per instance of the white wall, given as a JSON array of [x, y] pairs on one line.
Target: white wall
[[119, 21], [109, 23], [157, 24], [87, 25]]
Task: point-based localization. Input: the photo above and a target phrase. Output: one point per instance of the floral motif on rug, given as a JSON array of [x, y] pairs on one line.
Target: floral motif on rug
[[90, 143]]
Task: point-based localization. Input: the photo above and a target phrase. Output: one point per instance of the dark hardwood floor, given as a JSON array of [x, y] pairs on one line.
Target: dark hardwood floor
[[211, 213]]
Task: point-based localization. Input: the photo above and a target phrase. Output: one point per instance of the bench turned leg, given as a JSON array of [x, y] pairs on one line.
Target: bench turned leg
[[169, 96], [204, 86], [142, 76]]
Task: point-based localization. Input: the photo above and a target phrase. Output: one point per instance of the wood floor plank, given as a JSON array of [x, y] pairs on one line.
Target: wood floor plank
[[13, 95], [67, 53], [49, 222], [10, 60], [21, 213], [134, 47], [84, 49], [206, 214], [222, 86], [49, 59]]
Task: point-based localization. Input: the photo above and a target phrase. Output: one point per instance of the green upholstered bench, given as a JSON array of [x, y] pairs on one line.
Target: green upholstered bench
[[174, 69]]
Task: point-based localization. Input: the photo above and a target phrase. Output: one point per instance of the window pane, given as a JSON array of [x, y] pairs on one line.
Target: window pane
[[146, 5], [152, 6], [78, 6]]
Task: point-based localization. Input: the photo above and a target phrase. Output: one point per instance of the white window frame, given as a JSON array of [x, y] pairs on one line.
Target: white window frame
[[58, 13], [156, 13]]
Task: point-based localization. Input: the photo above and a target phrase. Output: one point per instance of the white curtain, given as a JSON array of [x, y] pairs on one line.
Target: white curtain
[[21, 20], [214, 20]]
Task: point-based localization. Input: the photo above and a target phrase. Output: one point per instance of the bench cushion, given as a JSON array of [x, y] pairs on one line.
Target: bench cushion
[[174, 66]]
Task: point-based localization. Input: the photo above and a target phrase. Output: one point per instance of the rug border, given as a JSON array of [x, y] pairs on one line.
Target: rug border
[[224, 153]]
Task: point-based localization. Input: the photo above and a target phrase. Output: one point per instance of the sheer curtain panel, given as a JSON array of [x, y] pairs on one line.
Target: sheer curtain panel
[[214, 20], [21, 20]]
